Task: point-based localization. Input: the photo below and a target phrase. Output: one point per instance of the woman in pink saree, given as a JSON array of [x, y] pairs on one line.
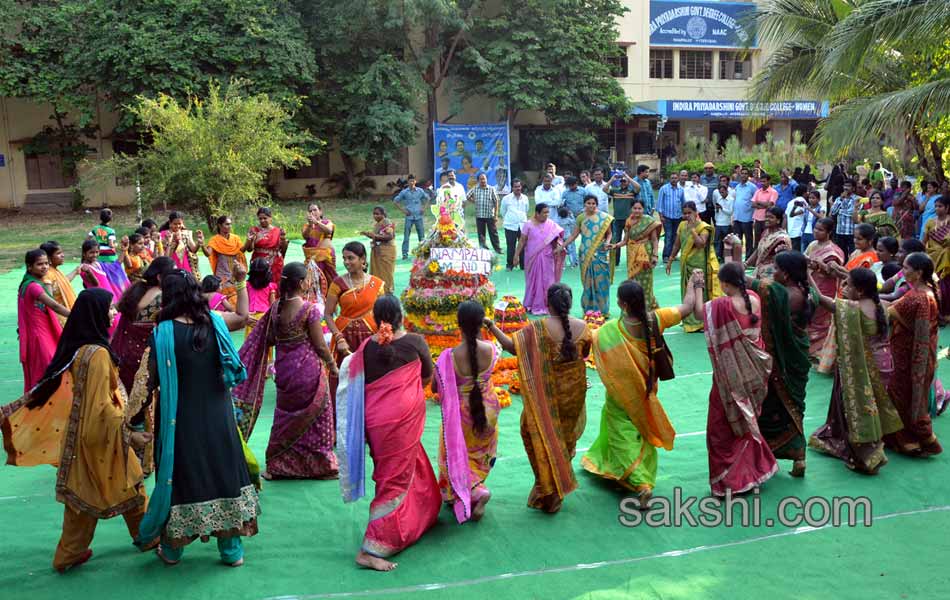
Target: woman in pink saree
[[37, 325], [739, 457], [468, 438], [380, 402], [94, 275], [301, 438], [542, 241]]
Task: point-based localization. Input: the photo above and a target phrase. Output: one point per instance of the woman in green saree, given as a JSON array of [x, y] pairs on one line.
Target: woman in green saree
[[861, 412], [597, 270], [641, 236], [883, 224], [787, 306], [695, 238]]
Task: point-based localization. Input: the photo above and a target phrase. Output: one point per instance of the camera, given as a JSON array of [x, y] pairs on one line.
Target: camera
[[618, 171]]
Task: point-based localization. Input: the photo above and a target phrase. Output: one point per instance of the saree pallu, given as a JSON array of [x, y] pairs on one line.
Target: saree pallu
[[39, 331], [466, 455], [829, 350], [139, 264], [553, 419], [914, 347], [255, 354], [355, 322], [861, 411], [632, 425], [883, 224], [697, 258], [543, 265], [739, 456], [110, 277], [129, 343], [819, 327], [938, 248], [786, 340], [382, 264], [640, 254], [389, 414], [597, 268], [182, 258], [769, 246], [267, 246], [321, 270], [62, 290]]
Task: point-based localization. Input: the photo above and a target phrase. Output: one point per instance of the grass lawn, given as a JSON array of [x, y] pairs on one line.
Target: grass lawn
[[23, 232]]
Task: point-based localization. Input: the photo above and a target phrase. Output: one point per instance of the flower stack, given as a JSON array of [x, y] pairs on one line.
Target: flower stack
[[510, 315], [594, 319]]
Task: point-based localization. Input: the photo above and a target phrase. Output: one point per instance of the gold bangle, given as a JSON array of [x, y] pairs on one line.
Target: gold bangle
[[240, 285]]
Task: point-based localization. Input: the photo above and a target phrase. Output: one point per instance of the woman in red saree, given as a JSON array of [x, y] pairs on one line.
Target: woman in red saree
[[37, 325], [268, 242], [354, 292], [739, 457], [824, 256], [382, 404], [914, 347]]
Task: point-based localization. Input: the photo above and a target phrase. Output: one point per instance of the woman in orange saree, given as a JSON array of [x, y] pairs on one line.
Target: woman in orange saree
[[382, 404], [59, 283], [268, 242], [914, 347], [824, 256], [552, 368], [354, 292], [224, 251]]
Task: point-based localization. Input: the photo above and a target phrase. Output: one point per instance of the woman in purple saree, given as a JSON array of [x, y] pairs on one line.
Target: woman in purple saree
[[542, 241], [301, 438]]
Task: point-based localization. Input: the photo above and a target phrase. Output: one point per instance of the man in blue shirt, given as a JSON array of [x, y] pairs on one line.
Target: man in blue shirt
[[646, 190], [742, 211], [669, 204], [573, 196], [412, 202], [786, 191]]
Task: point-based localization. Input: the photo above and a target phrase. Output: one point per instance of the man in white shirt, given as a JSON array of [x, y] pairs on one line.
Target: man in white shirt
[[452, 192], [695, 192], [723, 202], [597, 188], [556, 180], [514, 213], [546, 193]]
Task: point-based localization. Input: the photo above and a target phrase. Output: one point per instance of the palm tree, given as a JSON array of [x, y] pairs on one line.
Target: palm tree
[[877, 61]]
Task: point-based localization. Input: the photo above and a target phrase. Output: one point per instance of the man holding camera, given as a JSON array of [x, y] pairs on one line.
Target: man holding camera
[[412, 202]]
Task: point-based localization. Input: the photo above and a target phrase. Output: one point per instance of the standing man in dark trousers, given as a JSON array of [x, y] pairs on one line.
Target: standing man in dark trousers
[[622, 196], [486, 211], [669, 204], [842, 211], [742, 211], [412, 201]]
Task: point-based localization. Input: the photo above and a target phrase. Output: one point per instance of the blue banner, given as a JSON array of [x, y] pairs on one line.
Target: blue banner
[[471, 150], [701, 24], [742, 109]]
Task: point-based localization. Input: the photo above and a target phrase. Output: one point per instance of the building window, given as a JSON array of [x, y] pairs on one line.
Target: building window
[[399, 165], [696, 64], [734, 65], [618, 63], [319, 168], [661, 64]]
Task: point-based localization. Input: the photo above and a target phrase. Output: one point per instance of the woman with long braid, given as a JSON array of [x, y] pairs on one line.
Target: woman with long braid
[[468, 437], [551, 354], [739, 457], [861, 411], [788, 304], [633, 423]]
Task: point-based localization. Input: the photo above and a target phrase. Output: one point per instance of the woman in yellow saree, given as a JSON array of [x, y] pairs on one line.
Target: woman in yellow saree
[[597, 270], [694, 238], [551, 366], [633, 423], [59, 282], [318, 252], [641, 234]]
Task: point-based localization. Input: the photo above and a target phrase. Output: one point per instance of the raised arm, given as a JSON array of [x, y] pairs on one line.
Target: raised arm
[[505, 341], [693, 289], [238, 319]]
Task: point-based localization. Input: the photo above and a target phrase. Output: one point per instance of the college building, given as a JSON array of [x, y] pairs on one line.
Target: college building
[[685, 66]]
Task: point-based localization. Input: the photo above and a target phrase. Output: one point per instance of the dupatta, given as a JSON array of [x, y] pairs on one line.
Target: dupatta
[[351, 426], [233, 372], [225, 247], [456, 451], [740, 368], [248, 395]]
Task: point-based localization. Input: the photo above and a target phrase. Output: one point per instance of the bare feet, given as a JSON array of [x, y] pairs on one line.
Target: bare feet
[[374, 562], [644, 497], [239, 562], [266, 476], [798, 469], [478, 511]]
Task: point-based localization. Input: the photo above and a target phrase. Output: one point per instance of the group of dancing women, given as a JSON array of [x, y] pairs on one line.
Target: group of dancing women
[[117, 385]]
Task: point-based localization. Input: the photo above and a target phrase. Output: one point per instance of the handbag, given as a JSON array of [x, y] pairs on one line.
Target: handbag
[[662, 357]]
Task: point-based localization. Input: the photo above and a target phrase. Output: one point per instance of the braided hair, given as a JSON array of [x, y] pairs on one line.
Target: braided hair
[[865, 281], [795, 266], [470, 316], [630, 294], [560, 299], [733, 274]]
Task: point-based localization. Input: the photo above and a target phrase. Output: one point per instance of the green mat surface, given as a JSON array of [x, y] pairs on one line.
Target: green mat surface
[[308, 537]]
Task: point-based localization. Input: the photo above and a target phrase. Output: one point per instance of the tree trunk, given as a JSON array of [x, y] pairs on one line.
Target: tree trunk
[[349, 186], [938, 172], [432, 113]]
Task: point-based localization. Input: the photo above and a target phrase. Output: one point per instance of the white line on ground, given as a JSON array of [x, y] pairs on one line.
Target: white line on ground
[[426, 587]]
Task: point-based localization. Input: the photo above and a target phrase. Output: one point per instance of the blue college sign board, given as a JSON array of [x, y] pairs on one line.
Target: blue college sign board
[[701, 24], [741, 109]]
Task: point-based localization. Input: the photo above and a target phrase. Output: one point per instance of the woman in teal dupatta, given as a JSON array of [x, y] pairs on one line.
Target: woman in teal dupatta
[[787, 306], [203, 483], [597, 270]]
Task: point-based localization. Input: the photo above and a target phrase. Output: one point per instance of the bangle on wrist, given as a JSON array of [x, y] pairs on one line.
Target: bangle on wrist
[[240, 285]]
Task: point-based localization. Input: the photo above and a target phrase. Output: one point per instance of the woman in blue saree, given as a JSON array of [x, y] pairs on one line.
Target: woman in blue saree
[[203, 485], [596, 267]]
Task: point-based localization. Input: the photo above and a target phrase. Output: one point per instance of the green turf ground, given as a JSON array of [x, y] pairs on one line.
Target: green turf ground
[[308, 537]]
